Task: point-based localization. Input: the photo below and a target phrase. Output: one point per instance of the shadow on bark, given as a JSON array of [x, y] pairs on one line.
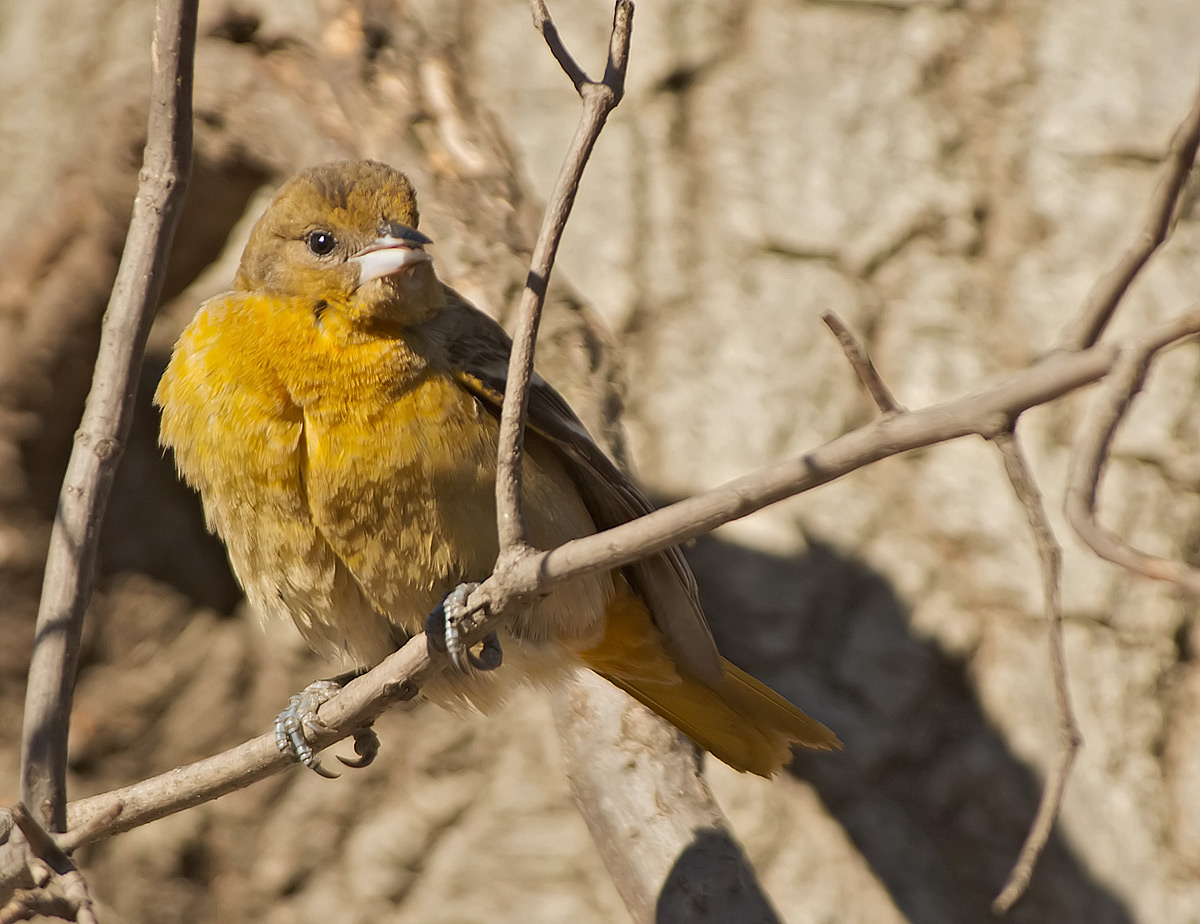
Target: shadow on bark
[[689, 897], [928, 791]]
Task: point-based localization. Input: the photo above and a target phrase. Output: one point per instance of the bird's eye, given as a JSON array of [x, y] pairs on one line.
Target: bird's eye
[[320, 242]]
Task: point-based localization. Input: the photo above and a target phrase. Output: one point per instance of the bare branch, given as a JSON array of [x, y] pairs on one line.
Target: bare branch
[[599, 99], [618, 50], [983, 413], [1107, 293], [401, 674], [99, 442], [867, 374], [396, 678], [545, 25], [1050, 556], [1087, 465]]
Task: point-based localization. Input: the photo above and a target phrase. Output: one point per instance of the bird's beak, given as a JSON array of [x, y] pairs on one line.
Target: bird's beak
[[400, 248]]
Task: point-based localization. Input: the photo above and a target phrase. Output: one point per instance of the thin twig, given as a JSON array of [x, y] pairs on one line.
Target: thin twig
[[100, 440], [599, 99], [545, 25], [401, 674], [1087, 467], [860, 361], [1108, 291], [1050, 556], [71, 840]]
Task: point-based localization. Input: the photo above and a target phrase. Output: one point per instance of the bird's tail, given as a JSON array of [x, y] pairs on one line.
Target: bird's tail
[[741, 721]]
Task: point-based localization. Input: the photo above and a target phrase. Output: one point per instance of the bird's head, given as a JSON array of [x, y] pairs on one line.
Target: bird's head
[[345, 235]]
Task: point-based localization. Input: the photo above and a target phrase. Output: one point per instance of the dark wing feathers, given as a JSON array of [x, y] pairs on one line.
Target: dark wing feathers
[[477, 349]]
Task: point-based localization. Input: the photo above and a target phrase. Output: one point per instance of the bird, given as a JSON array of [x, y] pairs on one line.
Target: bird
[[337, 411]]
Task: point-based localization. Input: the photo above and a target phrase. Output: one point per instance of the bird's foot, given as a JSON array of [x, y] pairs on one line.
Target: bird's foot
[[443, 630], [299, 721]]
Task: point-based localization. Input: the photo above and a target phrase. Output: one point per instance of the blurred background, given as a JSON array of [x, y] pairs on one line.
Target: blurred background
[[949, 177]]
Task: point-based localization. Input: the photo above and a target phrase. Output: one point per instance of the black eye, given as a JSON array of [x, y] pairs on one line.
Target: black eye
[[320, 242]]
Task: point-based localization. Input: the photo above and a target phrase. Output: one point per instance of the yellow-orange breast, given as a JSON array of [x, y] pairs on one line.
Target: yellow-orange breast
[[351, 479]]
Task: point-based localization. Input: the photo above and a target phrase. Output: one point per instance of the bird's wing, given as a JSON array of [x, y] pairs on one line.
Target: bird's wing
[[477, 349]]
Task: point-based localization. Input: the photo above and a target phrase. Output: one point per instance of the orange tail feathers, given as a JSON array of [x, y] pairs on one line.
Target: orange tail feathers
[[742, 722]]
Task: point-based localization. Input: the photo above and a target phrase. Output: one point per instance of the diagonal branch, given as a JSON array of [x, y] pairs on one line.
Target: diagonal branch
[[396, 678], [1108, 291], [980, 414], [99, 442], [599, 99], [1050, 555], [401, 674]]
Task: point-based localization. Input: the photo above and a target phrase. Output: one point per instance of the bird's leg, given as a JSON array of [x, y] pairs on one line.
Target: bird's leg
[[443, 629], [299, 720]]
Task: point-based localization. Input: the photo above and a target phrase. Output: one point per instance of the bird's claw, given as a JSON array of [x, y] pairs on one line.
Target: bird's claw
[[366, 746], [299, 722], [443, 629]]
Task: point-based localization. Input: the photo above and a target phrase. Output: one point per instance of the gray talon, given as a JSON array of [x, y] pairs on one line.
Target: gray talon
[[298, 722], [453, 611], [444, 632]]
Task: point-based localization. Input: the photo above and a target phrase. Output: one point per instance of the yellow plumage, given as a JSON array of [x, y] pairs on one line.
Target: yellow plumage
[[337, 412]]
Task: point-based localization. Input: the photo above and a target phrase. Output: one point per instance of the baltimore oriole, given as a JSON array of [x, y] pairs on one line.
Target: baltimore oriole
[[337, 410]]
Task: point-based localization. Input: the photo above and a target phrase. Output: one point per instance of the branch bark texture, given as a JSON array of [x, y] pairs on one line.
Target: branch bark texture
[[70, 564]]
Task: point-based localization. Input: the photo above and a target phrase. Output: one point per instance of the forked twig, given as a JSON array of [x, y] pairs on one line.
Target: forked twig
[[1050, 556], [99, 442]]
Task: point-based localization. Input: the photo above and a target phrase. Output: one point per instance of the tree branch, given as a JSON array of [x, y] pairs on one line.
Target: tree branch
[[982, 413], [545, 25], [401, 674], [599, 99], [867, 374], [99, 442], [1050, 556], [1087, 467], [1107, 293]]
